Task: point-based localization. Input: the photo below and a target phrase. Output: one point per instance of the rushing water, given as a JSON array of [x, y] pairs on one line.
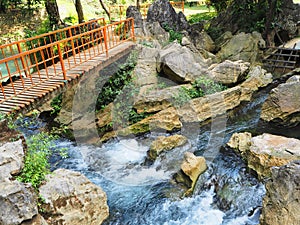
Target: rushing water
[[140, 193]]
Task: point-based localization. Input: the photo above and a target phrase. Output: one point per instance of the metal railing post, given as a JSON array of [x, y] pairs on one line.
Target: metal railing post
[[132, 30], [22, 59], [72, 45], [105, 40], [182, 6], [60, 56]]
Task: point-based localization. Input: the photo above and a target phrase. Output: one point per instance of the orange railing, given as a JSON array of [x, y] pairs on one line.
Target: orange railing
[[53, 54]]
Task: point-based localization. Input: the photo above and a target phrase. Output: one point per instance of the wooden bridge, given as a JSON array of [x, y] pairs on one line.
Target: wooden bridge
[[32, 69]]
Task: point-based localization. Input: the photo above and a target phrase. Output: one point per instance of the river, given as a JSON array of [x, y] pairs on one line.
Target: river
[[141, 193]]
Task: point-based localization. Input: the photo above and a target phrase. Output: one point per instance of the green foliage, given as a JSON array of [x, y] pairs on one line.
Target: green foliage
[[117, 82], [220, 5], [201, 17], [56, 104], [181, 98], [174, 35], [204, 86], [70, 19], [201, 87], [39, 149]]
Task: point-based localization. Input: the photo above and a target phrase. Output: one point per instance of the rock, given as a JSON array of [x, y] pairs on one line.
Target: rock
[[202, 40], [133, 12], [257, 78], [157, 99], [162, 11], [201, 109], [154, 31], [104, 117], [18, 202], [37, 220], [11, 159], [70, 198], [282, 105], [223, 39], [265, 151], [145, 73], [242, 46], [191, 168], [282, 201], [165, 120], [228, 72], [172, 62], [241, 143], [163, 143]]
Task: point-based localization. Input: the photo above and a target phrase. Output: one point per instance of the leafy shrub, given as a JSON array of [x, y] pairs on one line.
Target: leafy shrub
[[56, 104], [204, 86], [174, 35], [200, 17], [113, 87], [39, 149]]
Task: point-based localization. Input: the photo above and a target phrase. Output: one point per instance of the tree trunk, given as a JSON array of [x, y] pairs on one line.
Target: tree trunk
[[105, 9], [53, 13], [270, 15], [138, 5], [79, 11]]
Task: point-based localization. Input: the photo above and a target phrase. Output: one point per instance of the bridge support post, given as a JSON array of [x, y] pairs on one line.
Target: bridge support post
[[61, 59]]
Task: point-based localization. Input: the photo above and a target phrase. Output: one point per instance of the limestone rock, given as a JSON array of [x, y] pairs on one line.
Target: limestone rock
[[282, 201], [11, 159], [201, 109], [157, 99], [163, 143], [18, 202], [257, 78], [173, 60], [229, 72], [165, 120], [36, 220], [104, 117], [162, 11], [202, 40], [242, 46], [145, 73], [132, 11], [70, 198], [282, 105], [266, 151], [191, 168], [240, 142], [154, 31]]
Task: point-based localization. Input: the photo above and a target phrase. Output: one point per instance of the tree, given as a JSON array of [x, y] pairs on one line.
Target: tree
[[105, 9], [79, 11], [53, 13]]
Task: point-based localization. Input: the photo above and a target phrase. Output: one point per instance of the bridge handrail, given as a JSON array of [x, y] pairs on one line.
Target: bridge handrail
[[84, 46], [100, 21]]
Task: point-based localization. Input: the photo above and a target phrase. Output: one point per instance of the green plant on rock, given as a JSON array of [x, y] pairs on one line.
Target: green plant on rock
[[56, 104], [39, 149], [174, 35]]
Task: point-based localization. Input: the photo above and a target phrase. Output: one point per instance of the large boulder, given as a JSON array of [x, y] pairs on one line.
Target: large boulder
[[132, 11], [18, 202], [243, 46], [70, 198], [191, 168], [162, 11], [202, 40], [229, 72], [156, 99], [154, 32], [265, 151], [11, 159], [282, 105], [163, 143], [172, 61], [282, 201]]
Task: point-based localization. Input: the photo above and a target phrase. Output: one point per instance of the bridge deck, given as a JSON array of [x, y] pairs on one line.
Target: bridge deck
[[45, 83]]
